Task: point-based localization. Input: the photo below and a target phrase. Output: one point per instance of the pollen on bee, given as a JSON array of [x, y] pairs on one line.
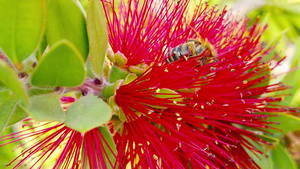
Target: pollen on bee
[[185, 58]]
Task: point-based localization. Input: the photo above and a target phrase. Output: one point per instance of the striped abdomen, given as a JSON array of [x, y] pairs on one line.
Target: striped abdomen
[[188, 49]]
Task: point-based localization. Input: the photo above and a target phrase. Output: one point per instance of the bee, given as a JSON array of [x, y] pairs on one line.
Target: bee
[[192, 48]]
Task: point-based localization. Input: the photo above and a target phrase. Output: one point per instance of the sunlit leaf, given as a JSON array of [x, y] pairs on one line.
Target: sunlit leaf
[[22, 25], [111, 146], [61, 66], [269, 138], [65, 20], [96, 27], [281, 159], [18, 114], [46, 108], [10, 79], [290, 79], [87, 113], [262, 160], [7, 105], [117, 74], [286, 123]]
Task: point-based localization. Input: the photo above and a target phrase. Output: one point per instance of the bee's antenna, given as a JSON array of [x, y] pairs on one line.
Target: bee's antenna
[[197, 33]]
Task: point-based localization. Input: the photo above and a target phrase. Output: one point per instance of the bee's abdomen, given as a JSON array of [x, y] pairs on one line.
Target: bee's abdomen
[[176, 53]]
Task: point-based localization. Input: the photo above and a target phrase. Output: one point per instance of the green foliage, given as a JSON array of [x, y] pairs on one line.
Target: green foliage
[[111, 145], [65, 20], [87, 113], [22, 26], [281, 159], [10, 79], [46, 108], [59, 66], [288, 123], [96, 26]]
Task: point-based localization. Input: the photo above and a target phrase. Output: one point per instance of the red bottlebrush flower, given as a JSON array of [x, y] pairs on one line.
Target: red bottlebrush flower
[[184, 113], [77, 150]]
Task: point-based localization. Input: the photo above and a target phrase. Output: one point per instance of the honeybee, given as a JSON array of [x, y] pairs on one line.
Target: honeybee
[[192, 48]]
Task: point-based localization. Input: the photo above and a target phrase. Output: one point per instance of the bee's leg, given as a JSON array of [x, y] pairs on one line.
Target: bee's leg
[[212, 49]]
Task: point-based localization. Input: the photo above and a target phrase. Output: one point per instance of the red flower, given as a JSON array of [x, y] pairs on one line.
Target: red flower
[[185, 113]]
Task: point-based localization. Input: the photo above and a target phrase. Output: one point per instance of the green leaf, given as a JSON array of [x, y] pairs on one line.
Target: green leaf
[[65, 20], [34, 91], [22, 25], [117, 73], [10, 79], [7, 105], [96, 27], [18, 114], [61, 66], [46, 108], [290, 79], [287, 124], [111, 144], [269, 138], [87, 113], [263, 161], [281, 159], [41, 48]]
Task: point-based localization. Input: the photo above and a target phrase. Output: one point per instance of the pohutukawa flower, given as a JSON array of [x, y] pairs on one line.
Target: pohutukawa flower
[[189, 88], [183, 111]]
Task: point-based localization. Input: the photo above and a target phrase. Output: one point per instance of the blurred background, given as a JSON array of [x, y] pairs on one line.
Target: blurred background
[[283, 19]]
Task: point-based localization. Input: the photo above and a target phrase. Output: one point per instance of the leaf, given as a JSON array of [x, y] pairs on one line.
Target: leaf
[[111, 145], [65, 20], [87, 113], [61, 66], [263, 161], [18, 114], [269, 138], [41, 49], [10, 79], [287, 124], [290, 79], [96, 27], [7, 105], [281, 159], [46, 108], [22, 25], [117, 73], [34, 91]]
